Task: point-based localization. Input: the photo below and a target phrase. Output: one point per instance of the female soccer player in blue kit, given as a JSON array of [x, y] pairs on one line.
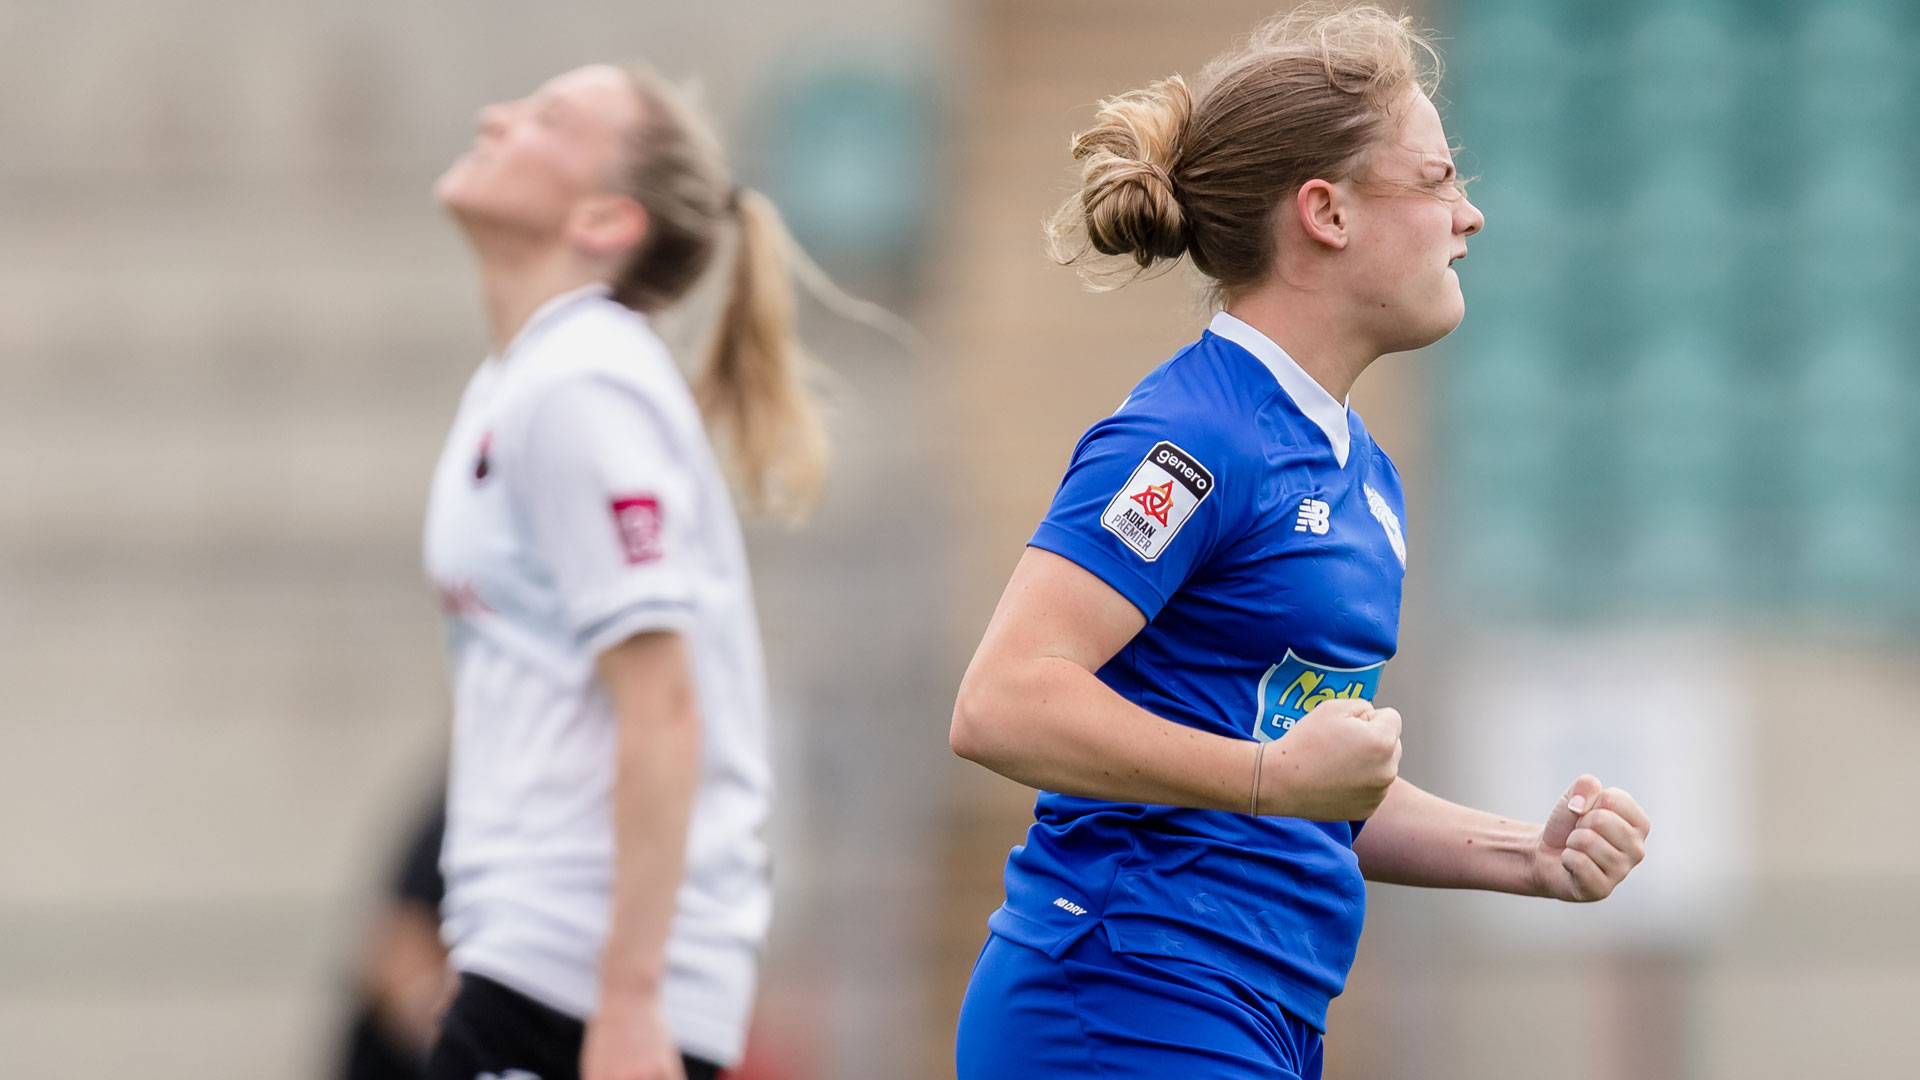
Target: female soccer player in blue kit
[[1185, 658]]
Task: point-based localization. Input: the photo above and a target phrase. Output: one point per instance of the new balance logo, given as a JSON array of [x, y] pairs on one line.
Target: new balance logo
[[1313, 517], [1068, 906]]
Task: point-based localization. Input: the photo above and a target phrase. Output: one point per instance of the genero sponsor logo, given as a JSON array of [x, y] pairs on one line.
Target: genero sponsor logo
[[1291, 688], [1163, 492]]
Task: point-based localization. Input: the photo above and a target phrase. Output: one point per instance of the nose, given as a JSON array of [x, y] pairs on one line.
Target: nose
[[1468, 219], [491, 119]]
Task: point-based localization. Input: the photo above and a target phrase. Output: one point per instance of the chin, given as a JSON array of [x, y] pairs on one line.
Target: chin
[[1445, 320], [1419, 335], [458, 189], [464, 204], [446, 190]]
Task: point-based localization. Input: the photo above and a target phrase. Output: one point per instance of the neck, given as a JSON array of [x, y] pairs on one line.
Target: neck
[[1313, 331], [516, 278]]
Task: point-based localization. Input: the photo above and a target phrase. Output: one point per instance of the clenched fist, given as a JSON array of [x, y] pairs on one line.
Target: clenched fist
[[1593, 838], [1336, 764]]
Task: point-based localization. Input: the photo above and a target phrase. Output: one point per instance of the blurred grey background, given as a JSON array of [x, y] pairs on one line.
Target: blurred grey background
[[1663, 524]]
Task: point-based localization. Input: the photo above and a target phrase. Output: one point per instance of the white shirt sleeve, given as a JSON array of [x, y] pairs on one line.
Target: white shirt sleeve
[[610, 502]]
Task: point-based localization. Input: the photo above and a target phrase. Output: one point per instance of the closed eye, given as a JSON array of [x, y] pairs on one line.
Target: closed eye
[[1446, 182]]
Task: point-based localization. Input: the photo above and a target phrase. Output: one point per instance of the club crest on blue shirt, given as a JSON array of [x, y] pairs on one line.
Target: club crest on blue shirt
[[1157, 499], [1291, 688], [1388, 520]]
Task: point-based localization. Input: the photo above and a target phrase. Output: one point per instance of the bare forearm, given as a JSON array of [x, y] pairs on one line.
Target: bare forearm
[[1054, 725], [655, 778], [1417, 838], [406, 972], [653, 799]]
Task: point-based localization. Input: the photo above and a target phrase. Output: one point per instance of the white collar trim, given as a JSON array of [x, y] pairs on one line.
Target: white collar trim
[[545, 312], [1311, 398]]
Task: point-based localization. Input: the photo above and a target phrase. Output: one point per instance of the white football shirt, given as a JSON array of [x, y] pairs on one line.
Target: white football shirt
[[578, 503]]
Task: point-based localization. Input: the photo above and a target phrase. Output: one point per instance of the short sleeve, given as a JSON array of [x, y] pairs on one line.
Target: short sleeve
[[1142, 507], [610, 502]]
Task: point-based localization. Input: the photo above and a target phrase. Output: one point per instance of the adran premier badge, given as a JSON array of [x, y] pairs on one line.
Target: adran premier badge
[[1162, 493]]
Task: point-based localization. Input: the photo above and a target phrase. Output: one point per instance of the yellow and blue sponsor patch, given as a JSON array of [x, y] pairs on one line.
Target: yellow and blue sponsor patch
[[1291, 688]]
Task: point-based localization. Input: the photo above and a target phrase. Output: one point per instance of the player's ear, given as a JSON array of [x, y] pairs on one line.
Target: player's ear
[[608, 224], [1322, 209]]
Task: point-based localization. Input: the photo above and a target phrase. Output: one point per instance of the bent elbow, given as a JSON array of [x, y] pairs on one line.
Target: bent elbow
[[971, 733], [963, 734]]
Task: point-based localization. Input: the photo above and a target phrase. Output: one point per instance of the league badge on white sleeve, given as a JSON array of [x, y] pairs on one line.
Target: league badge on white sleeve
[[636, 519], [1157, 500]]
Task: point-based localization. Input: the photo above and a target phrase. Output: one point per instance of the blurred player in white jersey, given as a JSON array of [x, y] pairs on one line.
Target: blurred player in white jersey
[[606, 870]]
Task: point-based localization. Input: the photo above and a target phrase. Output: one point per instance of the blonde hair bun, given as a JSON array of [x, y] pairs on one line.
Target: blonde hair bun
[[1128, 202]]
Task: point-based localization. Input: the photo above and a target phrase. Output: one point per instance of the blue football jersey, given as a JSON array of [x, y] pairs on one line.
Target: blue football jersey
[[1251, 519]]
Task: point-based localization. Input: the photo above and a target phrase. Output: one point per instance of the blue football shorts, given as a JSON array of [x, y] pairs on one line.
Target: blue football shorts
[[1101, 1015]]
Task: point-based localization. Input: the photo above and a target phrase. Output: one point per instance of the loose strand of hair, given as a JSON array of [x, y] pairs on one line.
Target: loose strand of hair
[[828, 294]]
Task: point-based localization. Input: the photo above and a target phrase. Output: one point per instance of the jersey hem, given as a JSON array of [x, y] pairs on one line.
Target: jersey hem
[[708, 1011], [1305, 1003], [1034, 934]]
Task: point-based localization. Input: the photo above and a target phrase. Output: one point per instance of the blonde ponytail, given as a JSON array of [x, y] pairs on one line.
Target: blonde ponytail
[[754, 389]]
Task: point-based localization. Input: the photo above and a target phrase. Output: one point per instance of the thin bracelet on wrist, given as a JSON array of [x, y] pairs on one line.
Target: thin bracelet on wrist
[[1259, 759]]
